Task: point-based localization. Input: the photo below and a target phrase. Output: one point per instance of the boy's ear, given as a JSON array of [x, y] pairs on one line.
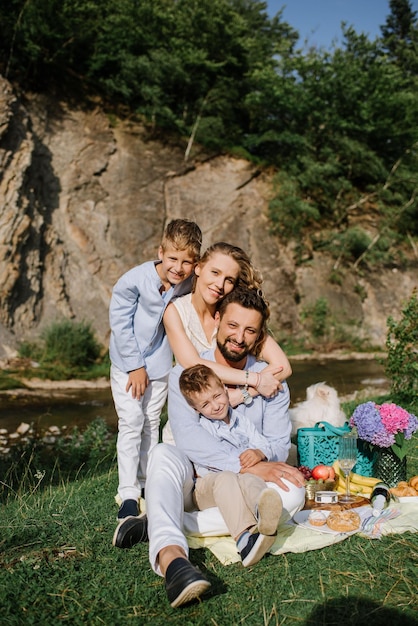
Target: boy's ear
[[197, 269], [160, 253]]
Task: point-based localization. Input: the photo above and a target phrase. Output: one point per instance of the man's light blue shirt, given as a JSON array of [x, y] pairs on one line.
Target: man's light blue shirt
[[270, 416]]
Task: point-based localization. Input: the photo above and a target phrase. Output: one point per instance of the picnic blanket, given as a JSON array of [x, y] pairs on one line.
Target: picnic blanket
[[400, 518]]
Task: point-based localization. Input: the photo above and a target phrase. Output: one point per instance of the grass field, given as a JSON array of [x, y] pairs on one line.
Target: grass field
[[58, 566]]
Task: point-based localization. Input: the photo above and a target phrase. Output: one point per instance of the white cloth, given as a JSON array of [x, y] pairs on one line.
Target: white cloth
[[191, 324], [170, 482], [138, 430]]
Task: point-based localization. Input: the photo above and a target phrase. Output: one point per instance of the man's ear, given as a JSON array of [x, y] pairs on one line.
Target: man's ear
[[217, 319]]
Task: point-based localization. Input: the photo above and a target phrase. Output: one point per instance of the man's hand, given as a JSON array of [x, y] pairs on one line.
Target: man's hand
[[248, 458], [275, 471], [137, 381]]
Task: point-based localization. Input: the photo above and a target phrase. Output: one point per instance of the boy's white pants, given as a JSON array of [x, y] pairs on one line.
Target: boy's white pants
[[170, 484], [138, 430]]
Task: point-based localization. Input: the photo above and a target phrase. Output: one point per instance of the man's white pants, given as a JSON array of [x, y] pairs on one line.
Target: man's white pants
[[170, 483], [138, 430]]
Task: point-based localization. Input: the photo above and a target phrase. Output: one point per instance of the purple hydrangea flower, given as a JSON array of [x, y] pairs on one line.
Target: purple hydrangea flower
[[366, 418], [379, 424], [411, 427]]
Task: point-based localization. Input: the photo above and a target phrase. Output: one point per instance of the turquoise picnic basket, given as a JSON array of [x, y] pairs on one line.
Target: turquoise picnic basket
[[319, 446]]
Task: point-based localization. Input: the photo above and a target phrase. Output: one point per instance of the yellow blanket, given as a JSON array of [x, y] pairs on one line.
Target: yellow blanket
[[294, 538]]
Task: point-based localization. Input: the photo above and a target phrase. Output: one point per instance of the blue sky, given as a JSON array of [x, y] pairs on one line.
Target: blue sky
[[319, 21]]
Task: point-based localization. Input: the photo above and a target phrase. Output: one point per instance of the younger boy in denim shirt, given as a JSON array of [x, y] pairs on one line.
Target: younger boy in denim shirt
[[251, 510]]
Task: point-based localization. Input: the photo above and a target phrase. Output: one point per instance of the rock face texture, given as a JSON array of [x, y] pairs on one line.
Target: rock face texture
[[83, 199]]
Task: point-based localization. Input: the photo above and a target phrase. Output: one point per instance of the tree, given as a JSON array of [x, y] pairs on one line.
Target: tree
[[402, 345], [400, 35], [359, 144]]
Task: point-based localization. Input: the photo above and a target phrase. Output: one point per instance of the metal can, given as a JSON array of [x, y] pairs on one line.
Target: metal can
[[326, 497]]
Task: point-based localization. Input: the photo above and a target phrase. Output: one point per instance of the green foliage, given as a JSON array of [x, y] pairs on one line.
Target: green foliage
[[400, 34], [8, 381], [289, 213], [54, 460], [402, 345], [71, 344], [66, 349], [317, 318]]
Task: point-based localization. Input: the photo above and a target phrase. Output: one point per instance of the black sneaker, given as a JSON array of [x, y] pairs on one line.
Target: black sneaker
[[128, 508], [130, 531], [184, 582], [256, 548]]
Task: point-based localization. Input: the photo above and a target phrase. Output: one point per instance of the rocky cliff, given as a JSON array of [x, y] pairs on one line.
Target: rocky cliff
[[84, 197]]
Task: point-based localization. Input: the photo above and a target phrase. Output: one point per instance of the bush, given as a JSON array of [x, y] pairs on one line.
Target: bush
[[317, 318], [71, 344], [402, 345]]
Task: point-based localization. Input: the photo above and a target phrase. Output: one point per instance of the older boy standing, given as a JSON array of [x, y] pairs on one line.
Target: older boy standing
[[140, 354]]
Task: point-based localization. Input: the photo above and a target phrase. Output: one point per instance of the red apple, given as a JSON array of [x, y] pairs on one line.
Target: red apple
[[323, 471]]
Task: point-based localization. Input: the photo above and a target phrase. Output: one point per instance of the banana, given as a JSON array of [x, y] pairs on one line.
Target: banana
[[368, 481], [357, 479], [336, 467], [366, 491], [353, 488]]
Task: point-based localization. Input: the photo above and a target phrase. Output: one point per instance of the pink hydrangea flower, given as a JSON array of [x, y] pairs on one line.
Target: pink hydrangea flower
[[394, 418]]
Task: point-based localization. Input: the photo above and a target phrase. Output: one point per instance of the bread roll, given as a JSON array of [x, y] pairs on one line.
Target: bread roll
[[343, 521]]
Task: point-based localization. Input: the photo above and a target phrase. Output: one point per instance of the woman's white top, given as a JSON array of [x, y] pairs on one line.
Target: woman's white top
[[192, 325], [194, 330]]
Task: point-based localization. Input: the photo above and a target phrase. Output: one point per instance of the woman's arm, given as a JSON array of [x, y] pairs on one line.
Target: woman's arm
[[274, 356]]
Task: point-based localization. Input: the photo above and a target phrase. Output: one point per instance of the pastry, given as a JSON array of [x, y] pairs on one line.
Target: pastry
[[402, 492], [317, 518], [343, 521], [413, 482]]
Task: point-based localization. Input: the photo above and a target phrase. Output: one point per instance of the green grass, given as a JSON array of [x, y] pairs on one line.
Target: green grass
[[58, 566]]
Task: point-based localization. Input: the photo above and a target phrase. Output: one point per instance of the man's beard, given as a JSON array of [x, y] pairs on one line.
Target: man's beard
[[235, 357]]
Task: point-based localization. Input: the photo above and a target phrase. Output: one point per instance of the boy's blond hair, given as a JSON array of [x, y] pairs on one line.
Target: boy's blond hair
[[183, 235], [193, 380]]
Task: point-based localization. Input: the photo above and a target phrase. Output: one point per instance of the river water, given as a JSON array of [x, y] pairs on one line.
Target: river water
[[79, 407]]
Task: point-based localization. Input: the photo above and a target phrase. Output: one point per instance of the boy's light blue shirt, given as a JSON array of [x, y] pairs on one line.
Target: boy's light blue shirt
[[270, 416], [136, 310], [240, 433]]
